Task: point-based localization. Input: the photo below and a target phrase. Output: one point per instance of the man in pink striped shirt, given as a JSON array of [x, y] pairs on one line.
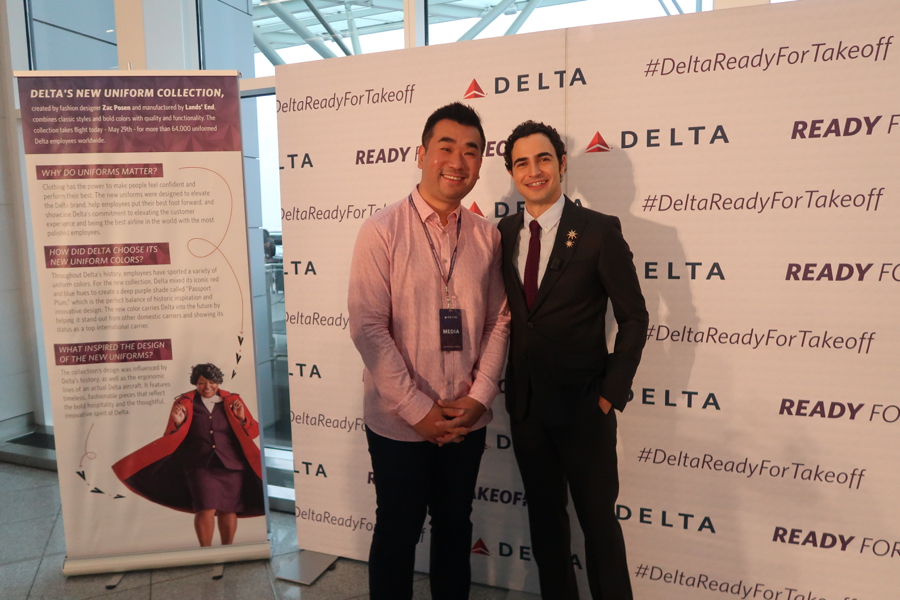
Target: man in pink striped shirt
[[428, 315]]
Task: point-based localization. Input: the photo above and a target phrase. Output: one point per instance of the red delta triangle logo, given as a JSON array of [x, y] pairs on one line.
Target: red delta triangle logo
[[480, 548], [598, 144], [474, 91], [474, 208]]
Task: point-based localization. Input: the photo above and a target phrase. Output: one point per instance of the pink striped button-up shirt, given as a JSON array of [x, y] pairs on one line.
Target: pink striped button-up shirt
[[396, 293]]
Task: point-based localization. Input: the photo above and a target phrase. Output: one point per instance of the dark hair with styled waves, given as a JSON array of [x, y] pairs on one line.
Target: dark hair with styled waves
[[530, 128], [208, 371], [458, 113]]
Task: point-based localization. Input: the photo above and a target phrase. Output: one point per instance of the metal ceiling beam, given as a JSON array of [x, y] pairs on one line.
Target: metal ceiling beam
[[334, 35], [377, 12], [351, 27], [291, 21], [523, 16], [485, 20], [266, 48], [376, 8]]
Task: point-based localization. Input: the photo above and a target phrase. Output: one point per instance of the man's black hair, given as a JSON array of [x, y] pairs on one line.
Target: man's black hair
[[208, 371], [530, 128], [458, 113]]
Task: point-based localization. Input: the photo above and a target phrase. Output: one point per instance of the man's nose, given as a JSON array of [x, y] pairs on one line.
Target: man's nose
[[456, 158]]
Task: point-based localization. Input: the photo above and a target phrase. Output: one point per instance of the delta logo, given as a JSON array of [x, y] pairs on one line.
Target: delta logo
[[481, 548], [505, 550], [475, 209], [525, 82], [474, 91], [598, 144]]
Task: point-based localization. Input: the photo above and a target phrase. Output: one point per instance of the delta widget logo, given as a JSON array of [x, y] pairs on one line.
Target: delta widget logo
[[480, 548], [475, 209], [474, 91], [598, 144]]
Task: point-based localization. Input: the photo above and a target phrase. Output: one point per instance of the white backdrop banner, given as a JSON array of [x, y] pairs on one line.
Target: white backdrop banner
[[751, 157], [137, 210]]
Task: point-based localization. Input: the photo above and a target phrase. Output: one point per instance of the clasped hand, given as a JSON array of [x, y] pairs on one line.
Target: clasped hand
[[449, 421]]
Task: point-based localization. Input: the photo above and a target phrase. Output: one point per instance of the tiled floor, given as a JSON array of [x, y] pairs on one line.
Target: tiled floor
[[32, 549]]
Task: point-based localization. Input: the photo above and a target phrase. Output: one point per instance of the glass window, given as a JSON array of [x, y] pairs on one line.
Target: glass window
[[65, 35], [448, 23], [298, 32], [277, 426]]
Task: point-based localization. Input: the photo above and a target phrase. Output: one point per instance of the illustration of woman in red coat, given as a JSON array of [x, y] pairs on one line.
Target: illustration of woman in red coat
[[205, 463]]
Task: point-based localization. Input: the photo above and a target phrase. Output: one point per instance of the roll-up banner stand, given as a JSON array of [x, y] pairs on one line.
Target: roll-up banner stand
[[138, 220], [751, 155]]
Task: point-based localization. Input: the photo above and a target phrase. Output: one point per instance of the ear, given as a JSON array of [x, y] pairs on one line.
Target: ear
[[562, 164], [420, 156]]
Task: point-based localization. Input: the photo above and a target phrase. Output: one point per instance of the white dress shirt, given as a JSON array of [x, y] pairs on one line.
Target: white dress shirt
[[548, 221]]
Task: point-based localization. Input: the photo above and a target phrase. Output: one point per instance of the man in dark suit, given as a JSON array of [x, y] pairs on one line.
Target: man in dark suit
[[561, 264]]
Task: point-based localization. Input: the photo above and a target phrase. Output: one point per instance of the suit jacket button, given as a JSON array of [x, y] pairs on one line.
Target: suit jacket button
[[530, 325]]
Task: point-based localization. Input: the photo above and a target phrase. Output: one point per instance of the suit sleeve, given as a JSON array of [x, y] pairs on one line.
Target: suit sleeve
[[488, 369], [369, 305], [619, 278]]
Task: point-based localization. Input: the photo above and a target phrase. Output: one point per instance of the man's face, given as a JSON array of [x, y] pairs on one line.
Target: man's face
[[536, 170], [451, 163]]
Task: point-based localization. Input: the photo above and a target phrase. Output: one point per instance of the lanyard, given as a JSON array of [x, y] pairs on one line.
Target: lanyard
[[434, 253]]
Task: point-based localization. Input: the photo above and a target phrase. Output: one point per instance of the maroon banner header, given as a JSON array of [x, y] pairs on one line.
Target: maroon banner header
[[154, 113], [99, 171], [107, 255], [92, 353]]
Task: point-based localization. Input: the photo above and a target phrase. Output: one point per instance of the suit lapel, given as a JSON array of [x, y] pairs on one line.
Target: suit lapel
[[570, 221]]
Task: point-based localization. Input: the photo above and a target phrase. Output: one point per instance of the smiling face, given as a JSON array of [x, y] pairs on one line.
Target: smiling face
[[207, 388], [450, 164], [536, 170]]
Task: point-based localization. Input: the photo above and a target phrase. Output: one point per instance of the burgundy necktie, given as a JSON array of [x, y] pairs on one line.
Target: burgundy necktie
[[532, 263]]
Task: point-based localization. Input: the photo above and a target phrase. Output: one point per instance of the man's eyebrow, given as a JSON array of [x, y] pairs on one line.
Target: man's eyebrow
[[539, 155], [446, 138], [473, 145]]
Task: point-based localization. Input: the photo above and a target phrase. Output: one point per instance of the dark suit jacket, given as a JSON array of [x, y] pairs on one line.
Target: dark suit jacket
[[558, 358]]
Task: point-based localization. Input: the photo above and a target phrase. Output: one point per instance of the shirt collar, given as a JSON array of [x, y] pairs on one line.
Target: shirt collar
[[549, 218], [425, 210]]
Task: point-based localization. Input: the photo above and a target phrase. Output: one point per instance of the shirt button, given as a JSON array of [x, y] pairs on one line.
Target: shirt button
[[214, 445], [210, 430], [530, 325], [210, 416]]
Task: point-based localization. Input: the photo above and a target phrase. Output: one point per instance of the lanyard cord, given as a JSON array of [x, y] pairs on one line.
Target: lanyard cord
[[434, 253]]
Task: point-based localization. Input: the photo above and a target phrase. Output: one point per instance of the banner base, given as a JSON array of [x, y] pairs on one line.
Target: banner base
[[304, 567], [162, 560]]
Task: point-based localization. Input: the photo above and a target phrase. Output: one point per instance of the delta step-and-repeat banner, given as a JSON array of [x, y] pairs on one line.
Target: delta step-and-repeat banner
[[751, 155], [139, 227]]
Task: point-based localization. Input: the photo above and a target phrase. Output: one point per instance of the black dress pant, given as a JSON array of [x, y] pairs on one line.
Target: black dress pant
[[410, 479], [579, 457]]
